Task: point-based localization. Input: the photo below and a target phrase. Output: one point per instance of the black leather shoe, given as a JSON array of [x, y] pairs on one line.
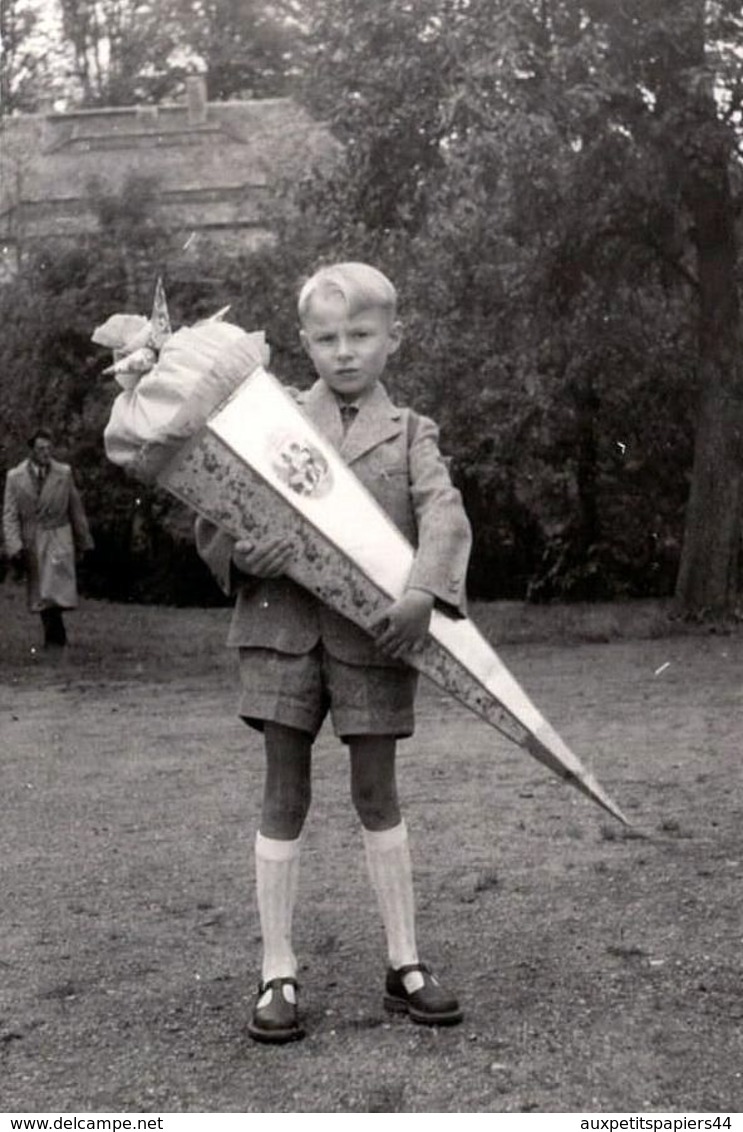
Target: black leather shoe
[[431, 1005], [276, 1019]]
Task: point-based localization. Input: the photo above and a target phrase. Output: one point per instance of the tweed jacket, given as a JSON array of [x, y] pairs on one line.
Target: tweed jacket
[[394, 453], [49, 523]]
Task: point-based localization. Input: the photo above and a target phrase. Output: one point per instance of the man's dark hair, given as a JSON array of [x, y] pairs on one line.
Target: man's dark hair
[[40, 434]]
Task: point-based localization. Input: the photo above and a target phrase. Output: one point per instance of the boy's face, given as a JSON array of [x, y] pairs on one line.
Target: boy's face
[[349, 351]]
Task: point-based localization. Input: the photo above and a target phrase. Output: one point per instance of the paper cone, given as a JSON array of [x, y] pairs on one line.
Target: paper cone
[[243, 472]]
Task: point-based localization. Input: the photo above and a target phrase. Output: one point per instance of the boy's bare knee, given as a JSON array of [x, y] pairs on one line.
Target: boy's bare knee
[[376, 804], [284, 819], [373, 781], [287, 791]]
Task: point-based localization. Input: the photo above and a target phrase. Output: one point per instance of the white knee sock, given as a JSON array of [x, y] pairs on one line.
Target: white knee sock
[[277, 878], [388, 861]]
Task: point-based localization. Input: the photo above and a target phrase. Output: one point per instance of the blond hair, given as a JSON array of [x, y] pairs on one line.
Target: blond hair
[[359, 285]]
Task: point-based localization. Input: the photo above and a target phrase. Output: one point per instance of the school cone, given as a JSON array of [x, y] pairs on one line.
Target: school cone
[[259, 467]]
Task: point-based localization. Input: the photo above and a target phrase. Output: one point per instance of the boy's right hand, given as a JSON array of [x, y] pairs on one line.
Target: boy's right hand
[[267, 559]]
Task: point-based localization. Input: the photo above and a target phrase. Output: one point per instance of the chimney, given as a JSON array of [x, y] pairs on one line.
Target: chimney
[[196, 99]]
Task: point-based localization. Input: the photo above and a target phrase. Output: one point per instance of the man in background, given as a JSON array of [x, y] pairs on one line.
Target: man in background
[[45, 531]]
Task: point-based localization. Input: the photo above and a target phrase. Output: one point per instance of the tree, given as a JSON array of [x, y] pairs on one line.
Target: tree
[[672, 79], [122, 51], [23, 57], [553, 185], [564, 153], [701, 151], [381, 76], [248, 48], [655, 71]]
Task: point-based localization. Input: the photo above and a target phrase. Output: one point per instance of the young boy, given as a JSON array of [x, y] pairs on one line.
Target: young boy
[[299, 659]]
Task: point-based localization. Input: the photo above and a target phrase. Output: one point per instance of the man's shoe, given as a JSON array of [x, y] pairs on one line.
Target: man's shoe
[[275, 1016], [431, 1005]]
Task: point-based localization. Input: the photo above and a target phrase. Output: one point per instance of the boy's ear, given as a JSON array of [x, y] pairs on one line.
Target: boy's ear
[[305, 341], [395, 336]]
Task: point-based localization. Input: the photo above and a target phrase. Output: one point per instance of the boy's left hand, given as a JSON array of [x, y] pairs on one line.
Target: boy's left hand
[[404, 624]]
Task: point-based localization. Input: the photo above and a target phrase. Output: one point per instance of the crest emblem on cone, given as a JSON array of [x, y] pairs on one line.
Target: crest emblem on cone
[[300, 465]]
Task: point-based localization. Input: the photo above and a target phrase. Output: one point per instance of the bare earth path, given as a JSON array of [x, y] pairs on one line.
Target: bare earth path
[[600, 970]]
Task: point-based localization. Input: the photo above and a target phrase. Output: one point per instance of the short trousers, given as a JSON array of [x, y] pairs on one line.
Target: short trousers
[[299, 691]]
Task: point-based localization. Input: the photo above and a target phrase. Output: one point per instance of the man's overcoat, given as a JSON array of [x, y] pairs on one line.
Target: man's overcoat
[[48, 522], [395, 454]]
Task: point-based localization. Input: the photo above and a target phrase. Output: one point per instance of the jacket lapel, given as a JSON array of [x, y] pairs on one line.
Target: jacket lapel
[[51, 480], [320, 405], [378, 420], [32, 483], [28, 480]]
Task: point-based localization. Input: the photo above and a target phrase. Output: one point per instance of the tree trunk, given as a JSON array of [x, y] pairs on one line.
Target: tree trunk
[[701, 150], [708, 575], [587, 406], [707, 582]]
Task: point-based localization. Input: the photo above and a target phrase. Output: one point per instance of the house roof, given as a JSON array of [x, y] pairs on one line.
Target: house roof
[[211, 163]]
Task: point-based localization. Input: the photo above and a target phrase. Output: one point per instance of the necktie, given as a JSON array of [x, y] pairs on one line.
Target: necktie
[[348, 415]]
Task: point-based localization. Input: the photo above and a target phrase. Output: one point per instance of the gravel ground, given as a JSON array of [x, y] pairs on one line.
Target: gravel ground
[[600, 968]]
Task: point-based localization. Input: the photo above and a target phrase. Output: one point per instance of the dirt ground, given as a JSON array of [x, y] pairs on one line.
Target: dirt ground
[[600, 968]]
